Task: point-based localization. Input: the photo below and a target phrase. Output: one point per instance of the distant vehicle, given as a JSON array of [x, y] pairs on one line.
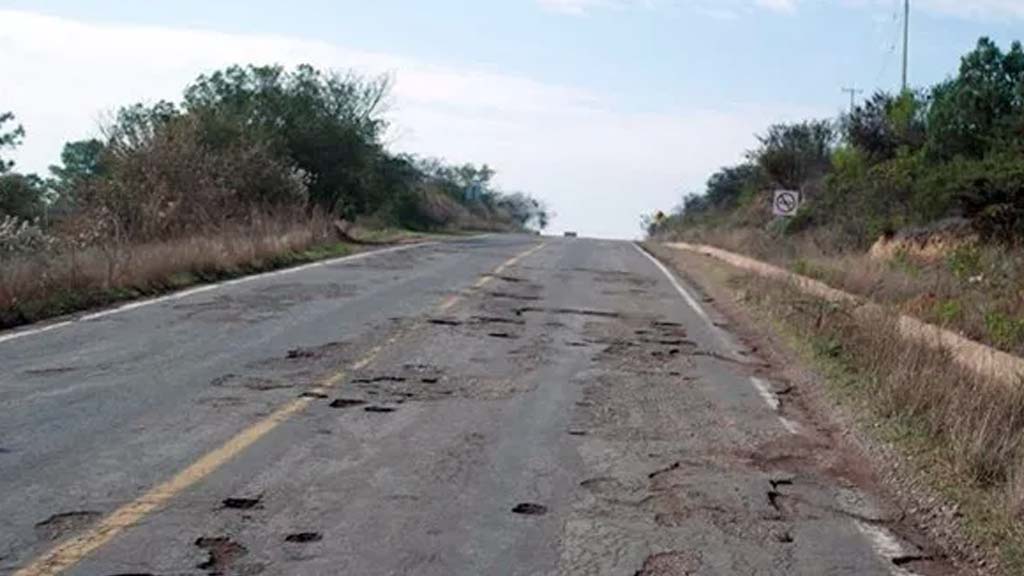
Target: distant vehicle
[[570, 234]]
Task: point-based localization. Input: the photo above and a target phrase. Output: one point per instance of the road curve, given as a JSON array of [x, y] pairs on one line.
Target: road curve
[[496, 405]]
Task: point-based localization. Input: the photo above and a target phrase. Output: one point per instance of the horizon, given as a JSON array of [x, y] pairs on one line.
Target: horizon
[[583, 110]]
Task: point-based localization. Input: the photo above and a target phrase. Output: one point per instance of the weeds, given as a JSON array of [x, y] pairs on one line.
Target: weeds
[[973, 427], [976, 290], [44, 284]]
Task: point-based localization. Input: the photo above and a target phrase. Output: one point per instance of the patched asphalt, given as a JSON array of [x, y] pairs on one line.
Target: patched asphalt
[[569, 414]]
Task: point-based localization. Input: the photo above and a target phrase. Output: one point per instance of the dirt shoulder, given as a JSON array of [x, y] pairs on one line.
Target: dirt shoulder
[[902, 468]]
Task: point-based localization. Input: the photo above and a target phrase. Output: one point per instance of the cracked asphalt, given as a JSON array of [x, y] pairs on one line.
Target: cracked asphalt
[[497, 405]]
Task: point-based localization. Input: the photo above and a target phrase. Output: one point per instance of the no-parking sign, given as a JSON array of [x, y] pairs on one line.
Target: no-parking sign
[[786, 202]]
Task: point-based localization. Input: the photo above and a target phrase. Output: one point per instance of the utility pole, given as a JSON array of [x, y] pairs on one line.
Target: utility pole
[[853, 96], [906, 39]]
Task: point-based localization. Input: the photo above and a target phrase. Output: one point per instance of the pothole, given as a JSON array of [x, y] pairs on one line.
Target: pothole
[[444, 322], [496, 320], [511, 296], [346, 402], [530, 509], [509, 279], [249, 382], [670, 468], [222, 552], [59, 525], [568, 311], [379, 380], [670, 564], [304, 537], [379, 409], [775, 495], [242, 503]]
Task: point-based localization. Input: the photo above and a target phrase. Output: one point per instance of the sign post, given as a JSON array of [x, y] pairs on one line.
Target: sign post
[[785, 203]]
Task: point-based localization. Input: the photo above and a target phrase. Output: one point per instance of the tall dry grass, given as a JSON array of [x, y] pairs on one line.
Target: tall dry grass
[[975, 290], [44, 284], [968, 429]]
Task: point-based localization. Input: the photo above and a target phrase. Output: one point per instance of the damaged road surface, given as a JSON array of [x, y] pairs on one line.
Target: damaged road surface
[[501, 405]]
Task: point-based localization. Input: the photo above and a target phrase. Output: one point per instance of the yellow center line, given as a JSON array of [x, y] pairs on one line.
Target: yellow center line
[[450, 302], [72, 551]]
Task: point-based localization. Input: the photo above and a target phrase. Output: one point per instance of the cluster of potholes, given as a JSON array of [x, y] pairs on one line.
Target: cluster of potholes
[[792, 493], [223, 553], [653, 347]]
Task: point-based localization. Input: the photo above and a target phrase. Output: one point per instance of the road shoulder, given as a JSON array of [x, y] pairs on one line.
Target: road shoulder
[[887, 471]]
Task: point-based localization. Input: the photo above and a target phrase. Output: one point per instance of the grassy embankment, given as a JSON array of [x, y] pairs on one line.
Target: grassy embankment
[[50, 285]]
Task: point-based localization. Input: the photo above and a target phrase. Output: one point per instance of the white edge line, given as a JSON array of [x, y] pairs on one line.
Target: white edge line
[[7, 337], [769, 397], [766, 393], [205, 288], [790, 426], [679, 288], [885, 545]]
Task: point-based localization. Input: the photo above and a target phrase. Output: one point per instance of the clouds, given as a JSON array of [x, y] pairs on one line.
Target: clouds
[[597, 166], [976, 8], [714, 8], [727, 9], [573, 7]]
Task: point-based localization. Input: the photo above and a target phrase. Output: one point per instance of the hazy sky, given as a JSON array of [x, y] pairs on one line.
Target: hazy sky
[[606, 109]]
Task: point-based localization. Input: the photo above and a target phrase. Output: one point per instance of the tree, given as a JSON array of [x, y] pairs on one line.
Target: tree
[[9, 139], [21, 196], [81, 161], [884, 124], [792, 154], [329, 125], [983, 105], [726, 186]]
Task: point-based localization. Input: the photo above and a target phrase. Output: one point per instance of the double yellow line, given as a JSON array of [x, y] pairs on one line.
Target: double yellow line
[[70, 552]]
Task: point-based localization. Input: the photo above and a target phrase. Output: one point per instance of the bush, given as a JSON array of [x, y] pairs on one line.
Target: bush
[[21, 236], [162, 181], [955, 150]]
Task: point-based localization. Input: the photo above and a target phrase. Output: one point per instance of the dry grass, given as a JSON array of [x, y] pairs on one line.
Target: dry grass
[[977, 291], [33, 287], [968, 431]]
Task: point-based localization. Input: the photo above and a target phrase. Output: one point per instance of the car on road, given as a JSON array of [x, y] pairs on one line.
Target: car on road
[[570, 234]]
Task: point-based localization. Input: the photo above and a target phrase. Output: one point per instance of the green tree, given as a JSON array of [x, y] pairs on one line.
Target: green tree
[[792, 154], [885, 124], [22, 196], [329, 125], [982, 106], [729, 184], [81, 162], [9, 139]]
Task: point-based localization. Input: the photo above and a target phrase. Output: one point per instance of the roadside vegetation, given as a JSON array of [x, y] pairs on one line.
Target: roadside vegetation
[[915, 199], [257, 167], [949, 443], [963, 435]]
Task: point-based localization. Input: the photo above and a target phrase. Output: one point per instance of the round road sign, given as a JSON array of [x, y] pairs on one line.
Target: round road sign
[[786, 202]]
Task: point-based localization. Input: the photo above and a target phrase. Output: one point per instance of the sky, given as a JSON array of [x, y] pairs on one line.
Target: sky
[[604, 109]]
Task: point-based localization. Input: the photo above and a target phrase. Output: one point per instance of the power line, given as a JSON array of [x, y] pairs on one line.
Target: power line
[[906, 40], [892, 43]]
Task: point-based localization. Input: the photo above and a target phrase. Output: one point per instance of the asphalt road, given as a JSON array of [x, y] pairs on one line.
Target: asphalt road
[[497, 405]]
